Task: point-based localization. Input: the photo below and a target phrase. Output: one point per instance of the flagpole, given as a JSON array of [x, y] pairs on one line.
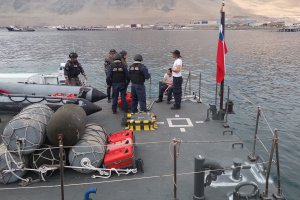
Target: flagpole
[[223, 29]]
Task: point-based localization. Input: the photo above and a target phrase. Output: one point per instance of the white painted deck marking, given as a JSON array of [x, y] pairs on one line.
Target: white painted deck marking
[[160, 122], [188, 122], [176, 115], [182, 130], [199, 122]]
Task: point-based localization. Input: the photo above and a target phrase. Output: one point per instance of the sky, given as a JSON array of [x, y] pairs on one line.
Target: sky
[[104, 12]]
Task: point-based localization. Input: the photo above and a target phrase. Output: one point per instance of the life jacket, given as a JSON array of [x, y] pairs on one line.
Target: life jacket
[[118, 73], [136, 74], [73, 69]]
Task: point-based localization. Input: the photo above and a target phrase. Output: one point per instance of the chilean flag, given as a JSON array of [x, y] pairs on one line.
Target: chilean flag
[[222, 50]]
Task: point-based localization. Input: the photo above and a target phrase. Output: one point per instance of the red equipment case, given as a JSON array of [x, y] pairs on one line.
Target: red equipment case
[[117, 145], [120, 158], [120, 136], [128, 99]]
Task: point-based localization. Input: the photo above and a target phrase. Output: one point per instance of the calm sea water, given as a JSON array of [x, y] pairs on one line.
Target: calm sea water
[[262, 68]]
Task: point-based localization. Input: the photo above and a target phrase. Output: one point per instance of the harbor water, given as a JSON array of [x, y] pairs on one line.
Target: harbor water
[[262, 70]]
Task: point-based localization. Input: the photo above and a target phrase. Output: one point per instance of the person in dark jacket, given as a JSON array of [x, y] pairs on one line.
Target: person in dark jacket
[[72, 70], [138, 73], [118, 77], [107, 63]]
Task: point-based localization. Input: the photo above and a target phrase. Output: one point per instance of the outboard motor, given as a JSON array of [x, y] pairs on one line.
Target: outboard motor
[[200, 166]]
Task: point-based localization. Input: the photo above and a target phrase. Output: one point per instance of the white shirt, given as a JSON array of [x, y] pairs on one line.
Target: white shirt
[[168, 79], [177, 62]]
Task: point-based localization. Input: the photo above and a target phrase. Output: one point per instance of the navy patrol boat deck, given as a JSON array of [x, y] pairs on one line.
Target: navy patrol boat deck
[[196, 137]]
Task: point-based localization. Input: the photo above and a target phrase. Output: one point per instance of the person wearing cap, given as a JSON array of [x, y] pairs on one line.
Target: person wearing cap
[[166, 87], [72, 70], [107, 63], [138, 73], [177, 79], [118, 77], [124, 57]]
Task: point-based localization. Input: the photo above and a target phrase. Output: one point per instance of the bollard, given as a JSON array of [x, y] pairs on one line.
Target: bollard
[[207, 115], [199, 178], [236, 171]]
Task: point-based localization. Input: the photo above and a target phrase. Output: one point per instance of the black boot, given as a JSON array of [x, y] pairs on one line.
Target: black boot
[[159, 99]]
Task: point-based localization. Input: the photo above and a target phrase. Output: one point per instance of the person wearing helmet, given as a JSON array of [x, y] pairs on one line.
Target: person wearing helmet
[[124, 57], [138, 73], [177, 79], [107, 63], [72, 70], [118, 77]]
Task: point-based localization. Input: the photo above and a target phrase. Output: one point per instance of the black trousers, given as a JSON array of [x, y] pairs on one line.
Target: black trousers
[[177, 91], [108, 91], [162, 89]]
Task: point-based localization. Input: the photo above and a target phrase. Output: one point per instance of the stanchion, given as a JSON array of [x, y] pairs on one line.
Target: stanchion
[[61, 160], [252, 156], [265, 195], [279, 195], [200, 83], [175, 167], [225, 125]]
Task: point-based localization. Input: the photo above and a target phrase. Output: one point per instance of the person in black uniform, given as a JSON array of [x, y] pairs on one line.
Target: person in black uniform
[[138, 73], [107, 63], [118, 77], [72, 70]]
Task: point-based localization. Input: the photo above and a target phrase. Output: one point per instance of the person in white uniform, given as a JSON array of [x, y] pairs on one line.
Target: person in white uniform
[[166, 87], [177, 80]]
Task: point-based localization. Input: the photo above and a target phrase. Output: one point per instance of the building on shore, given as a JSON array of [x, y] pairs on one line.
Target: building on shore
[[290, 28]]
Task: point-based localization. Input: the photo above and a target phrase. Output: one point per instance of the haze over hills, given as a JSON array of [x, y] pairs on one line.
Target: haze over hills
[[103, 12]]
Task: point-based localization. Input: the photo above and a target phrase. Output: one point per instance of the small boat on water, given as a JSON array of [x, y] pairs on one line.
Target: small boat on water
[[89, 93], [20, 29], [14, 103], [36, 78]]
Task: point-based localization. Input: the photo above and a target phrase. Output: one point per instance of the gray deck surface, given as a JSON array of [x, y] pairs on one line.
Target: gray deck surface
[[157, 160]]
